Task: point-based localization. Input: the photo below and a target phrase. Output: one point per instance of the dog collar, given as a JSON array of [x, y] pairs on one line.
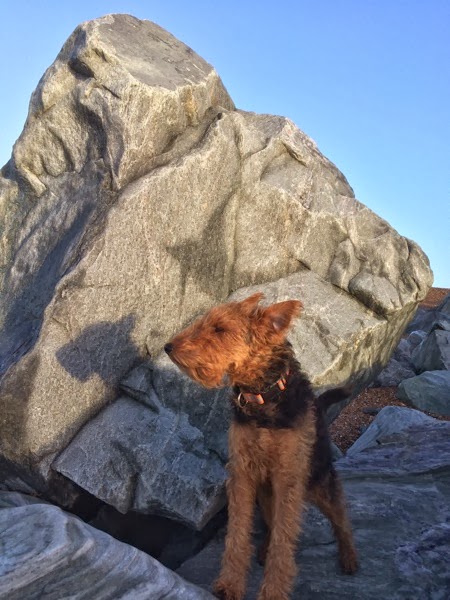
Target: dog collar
[[245, 398]]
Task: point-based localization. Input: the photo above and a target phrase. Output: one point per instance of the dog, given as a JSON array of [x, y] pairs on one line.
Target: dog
[[279, 449]]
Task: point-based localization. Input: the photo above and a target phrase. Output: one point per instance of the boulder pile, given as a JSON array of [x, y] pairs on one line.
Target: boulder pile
[[420, 365]]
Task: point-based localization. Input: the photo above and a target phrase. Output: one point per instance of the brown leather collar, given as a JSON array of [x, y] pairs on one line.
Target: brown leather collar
[[245, 398]]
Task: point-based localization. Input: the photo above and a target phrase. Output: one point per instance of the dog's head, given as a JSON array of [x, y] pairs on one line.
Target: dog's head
[[231, 339]]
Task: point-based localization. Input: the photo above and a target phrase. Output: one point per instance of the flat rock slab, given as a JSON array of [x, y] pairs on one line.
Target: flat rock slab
[[389, 421], [47, 554], [398, 499]]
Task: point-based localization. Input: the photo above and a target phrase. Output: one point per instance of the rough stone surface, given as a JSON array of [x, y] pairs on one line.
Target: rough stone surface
[[398, 498], [415, 337], [399, 367], [390, 420], [433, 353], [131, 204], [151, 461], [424, 318], [428, 391], [49, 554]]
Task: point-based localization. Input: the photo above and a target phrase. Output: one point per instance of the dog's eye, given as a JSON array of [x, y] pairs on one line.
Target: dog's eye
[[218, 329]]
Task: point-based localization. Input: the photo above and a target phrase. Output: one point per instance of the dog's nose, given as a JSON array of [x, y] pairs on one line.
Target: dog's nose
[[168, 348]]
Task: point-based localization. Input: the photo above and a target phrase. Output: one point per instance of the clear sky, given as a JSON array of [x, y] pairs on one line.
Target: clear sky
[[368, 80]]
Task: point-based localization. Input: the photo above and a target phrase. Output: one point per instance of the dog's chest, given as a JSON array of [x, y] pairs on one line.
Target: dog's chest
[[269, 449]]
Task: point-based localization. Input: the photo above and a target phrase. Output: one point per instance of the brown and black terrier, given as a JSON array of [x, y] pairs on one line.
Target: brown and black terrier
[[279, 448]]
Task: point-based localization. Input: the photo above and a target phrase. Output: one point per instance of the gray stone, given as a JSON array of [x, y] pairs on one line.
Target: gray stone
[[48, 554], [336, 451], [148, 461], [399, 367], [136, 198], [207, 410], [428, 391], [398, 499], [415, 337], [425, 318], [390, 420], [393, 374], [433, 353]]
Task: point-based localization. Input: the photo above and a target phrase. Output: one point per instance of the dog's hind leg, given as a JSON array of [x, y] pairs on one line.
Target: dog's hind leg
[[328, 496]]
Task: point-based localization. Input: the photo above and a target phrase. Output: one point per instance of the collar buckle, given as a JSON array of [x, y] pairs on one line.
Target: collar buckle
[[245, 397]]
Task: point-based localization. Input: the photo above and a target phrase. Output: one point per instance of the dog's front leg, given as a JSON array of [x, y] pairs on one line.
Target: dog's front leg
[[241, 493], [288, 499]]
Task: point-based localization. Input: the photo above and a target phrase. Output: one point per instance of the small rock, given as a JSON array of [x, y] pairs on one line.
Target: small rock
[[336, 451], [398, 368], [415, 337], [371, 411], [428, 391]]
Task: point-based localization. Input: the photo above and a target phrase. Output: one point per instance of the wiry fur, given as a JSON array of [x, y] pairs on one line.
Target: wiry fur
[[279, 451]]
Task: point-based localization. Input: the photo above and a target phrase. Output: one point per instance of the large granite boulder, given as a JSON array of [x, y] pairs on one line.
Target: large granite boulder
[[137, 197], [397, 493], [48, 554]]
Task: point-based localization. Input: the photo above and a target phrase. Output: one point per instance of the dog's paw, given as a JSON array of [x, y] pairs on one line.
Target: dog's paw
[[227, 591], [272, 594], [349, 563]]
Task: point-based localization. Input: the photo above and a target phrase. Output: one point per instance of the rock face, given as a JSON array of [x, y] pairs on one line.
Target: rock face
[[428, 391], [433, 354], [426, 348], [425, 319], [153, 461], [389, 421], [137, 197], [400, 365], [420, 364], [46, 554], [398, 498]]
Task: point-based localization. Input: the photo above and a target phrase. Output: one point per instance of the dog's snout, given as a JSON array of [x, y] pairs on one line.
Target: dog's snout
[[168, 348]]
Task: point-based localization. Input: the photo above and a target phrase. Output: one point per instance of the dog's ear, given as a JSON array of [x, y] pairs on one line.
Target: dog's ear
[[249, 305], [280, 315]]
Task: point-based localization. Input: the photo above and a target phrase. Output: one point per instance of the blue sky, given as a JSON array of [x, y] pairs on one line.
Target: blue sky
[[368, 80]]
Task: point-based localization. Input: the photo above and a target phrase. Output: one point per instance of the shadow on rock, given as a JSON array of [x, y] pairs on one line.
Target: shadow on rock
[[105, 349], [26, 310]]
